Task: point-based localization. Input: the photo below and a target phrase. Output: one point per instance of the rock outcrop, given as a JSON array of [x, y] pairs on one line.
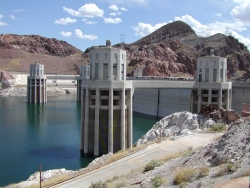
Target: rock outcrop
[[217, 115], [180, 123], [7, 80]]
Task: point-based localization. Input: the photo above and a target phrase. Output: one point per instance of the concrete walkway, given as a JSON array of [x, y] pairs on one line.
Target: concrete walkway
[[140, 159]]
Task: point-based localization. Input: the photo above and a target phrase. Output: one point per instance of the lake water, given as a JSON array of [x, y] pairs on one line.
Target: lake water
[[33, 134]]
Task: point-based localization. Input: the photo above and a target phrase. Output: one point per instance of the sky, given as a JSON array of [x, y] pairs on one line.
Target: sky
[[84, 23]]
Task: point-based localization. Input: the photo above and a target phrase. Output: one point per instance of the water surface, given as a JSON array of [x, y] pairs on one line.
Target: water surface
[[33, 134]]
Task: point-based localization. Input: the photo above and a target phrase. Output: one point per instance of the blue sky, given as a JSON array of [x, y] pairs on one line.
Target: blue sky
[[89, 23]]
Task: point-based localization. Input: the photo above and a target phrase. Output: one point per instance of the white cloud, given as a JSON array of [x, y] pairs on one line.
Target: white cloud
[[128, 2], [123, 9], [87, 10], [2, 23], [118, 13], [211, 28], [218, 14], [78, 33], [244, 40], [65, 21], [112, 14], [18, 10], [113, 7], [66, 34], [84, 19], [90, 22], [242, 11], [12, 17], [143, 29], [199, 28], [112, 21], [217, 27]]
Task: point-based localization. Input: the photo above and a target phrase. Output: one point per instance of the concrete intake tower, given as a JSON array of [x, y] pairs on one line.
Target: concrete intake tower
[[36, 84], [106, 103]]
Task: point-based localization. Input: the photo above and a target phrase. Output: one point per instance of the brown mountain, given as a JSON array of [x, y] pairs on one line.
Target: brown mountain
[[172, 50], [17, 52]]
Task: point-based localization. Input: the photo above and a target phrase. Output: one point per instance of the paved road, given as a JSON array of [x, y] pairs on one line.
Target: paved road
[[139, 159]]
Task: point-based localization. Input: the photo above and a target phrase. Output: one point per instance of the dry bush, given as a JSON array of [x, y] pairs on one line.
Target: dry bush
[[117, 182], [203, 171], [151, 165], [183, 175], [225, 169], [218, 127], [158, 181], [98, 184]]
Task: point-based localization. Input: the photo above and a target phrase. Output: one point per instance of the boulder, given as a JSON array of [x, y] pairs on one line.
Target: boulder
[[180, 123], [7, 79]]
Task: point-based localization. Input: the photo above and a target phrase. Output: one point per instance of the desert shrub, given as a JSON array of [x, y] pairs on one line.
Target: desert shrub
[[158, 181], [183, 175], [218, 127], [98, 184], [203, 171], [151, 165], [120, 184], [225, 168]]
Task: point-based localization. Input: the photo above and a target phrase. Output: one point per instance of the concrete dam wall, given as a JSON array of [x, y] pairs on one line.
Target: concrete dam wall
[[163, 102]]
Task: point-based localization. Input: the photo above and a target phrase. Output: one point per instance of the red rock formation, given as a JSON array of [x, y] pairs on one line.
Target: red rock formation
[[12, 46]]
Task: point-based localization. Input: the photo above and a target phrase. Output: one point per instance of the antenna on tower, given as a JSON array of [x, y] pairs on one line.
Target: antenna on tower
[[122, 37], [208, 31]]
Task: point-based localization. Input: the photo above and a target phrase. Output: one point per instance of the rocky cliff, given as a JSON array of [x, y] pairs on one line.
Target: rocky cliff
[[172, 50]]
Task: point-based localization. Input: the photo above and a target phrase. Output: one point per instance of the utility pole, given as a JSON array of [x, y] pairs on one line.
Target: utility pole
[[40, 170]]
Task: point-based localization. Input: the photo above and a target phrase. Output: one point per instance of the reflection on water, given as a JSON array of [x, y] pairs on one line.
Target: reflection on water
[[33, 134], [35, 114]]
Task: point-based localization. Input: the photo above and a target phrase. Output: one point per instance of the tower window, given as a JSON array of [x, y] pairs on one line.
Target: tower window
[[214, 75], [206, 75], [96, 71]]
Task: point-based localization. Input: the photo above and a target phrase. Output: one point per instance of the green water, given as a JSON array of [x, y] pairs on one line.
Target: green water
[[32, 134]]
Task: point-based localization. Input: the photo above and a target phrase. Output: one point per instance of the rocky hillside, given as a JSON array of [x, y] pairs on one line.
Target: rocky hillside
[[17, 52], [172, 50], [227, 157]]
